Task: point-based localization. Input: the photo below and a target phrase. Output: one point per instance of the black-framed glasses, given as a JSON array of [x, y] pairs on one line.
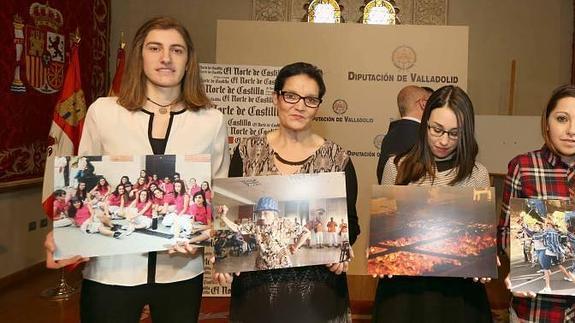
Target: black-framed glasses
[[293, 98], [436, 131]]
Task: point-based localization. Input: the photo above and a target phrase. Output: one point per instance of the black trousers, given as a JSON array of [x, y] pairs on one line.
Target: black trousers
[[169, 303]]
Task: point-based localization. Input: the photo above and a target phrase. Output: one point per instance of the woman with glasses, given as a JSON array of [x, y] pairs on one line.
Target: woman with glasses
[[546, 173], [444, 154], [301, 294]]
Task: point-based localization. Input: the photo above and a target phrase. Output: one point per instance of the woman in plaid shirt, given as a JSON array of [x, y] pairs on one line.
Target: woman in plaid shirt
[[547, 173]]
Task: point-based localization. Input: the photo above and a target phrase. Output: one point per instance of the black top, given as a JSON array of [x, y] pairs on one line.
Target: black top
[[158, 148], [159, 144], [400, 138]]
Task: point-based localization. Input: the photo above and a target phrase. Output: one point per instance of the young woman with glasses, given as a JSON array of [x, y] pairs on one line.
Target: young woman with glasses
[[546, 173], [302, 294], [444, 154]]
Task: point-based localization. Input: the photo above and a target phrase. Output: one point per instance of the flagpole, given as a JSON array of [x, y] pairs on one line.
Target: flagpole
[[120, 62], [63, 291]]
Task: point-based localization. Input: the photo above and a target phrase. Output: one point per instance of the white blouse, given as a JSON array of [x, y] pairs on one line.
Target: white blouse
[[110, 129]]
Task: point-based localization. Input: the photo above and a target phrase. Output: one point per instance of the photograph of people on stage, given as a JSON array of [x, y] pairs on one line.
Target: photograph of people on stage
[[283, 227]]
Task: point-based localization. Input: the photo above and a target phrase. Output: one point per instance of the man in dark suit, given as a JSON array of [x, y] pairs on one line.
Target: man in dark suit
[[402, 133]]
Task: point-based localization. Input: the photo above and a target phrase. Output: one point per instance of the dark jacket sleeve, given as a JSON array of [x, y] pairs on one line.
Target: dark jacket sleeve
[[236, 164], [351, 190]]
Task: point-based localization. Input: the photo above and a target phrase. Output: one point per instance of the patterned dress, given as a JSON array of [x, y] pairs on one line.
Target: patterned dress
[[300, 294], [273, 241]]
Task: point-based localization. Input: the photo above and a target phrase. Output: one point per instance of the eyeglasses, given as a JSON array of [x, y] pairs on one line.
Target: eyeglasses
[[293, 98], [435, 131]]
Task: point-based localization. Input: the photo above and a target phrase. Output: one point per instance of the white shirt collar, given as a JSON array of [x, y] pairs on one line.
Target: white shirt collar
[[412, 119]]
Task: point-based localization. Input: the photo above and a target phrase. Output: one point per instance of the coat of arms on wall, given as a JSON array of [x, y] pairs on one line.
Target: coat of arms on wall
[[44, 49], [36, 46]]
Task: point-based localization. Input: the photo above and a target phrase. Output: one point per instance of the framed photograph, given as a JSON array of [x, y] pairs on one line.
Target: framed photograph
[[109, 205], [432, 231], [270, 222], [542, 246]]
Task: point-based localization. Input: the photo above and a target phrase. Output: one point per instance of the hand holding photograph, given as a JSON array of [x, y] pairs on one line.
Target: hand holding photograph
[[108, 205], [271, 222], [432, 231], [542, 247]]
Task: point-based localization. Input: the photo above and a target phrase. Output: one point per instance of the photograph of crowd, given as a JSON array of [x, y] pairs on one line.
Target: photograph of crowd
[[270, 222], [432, 231], [108, 205], [542, 246]]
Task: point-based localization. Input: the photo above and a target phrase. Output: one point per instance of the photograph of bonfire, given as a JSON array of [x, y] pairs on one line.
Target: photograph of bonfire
[[432, 231], [542, 246]]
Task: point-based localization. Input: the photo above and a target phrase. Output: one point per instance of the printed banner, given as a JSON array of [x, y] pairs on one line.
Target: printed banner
[[244, 95], [211, 288]]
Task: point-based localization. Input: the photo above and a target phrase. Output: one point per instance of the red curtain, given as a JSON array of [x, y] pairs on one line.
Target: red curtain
[[41, 33]]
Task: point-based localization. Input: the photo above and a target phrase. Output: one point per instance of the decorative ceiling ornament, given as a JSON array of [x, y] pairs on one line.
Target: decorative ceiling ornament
[[430, 12], [271, 10], [380, 12], [408, 12], [324, 11]]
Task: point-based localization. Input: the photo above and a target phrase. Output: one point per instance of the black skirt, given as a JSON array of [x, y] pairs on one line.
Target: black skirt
[[430, 299], [302, 294]]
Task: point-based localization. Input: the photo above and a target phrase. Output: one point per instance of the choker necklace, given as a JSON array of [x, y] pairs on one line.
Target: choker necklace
[[291, 163], [163, 107]]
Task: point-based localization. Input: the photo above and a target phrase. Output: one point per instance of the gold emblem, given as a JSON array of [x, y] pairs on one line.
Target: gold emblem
[[379, 12], [324, 11], [44, 49], [403, 57], [339, 106]]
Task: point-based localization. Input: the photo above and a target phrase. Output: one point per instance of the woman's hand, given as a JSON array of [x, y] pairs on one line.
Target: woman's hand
[[221, 278], [376, 275], [483, 280], [184, 248], [222, 209], [518, 294], [341, 267], [381, 276], [507, 281], [50, 247]]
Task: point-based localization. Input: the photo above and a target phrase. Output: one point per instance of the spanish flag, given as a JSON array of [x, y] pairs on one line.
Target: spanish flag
[[67, 122]]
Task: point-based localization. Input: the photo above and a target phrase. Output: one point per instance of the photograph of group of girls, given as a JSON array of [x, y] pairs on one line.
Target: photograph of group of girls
[[542, 246], [270, 222], [107, 205], [432, 231]]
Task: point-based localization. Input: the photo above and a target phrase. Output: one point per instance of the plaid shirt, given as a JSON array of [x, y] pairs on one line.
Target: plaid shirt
[[538, 174]]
